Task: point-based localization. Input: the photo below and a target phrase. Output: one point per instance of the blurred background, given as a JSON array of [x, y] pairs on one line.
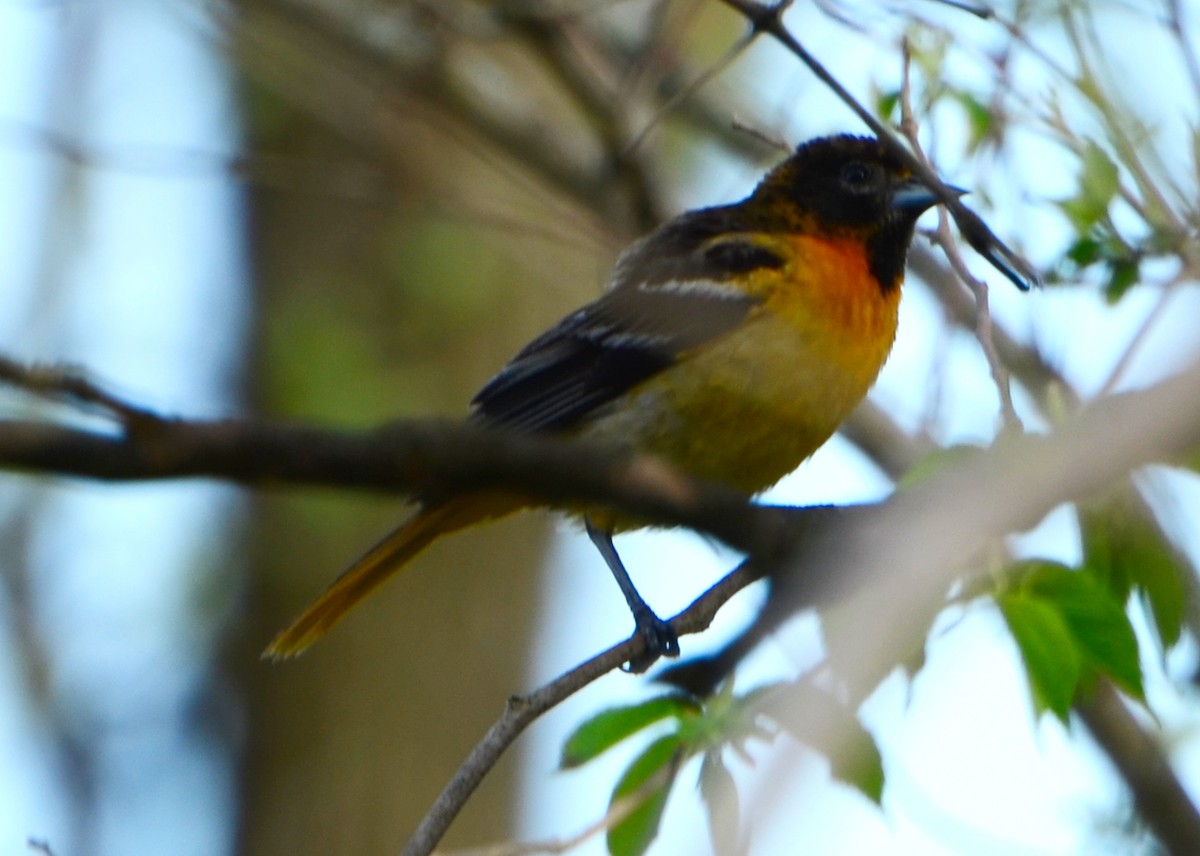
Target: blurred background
[[346, 213]]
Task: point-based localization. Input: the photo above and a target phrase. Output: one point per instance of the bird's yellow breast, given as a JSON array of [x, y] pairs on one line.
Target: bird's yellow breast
[[748, 408]]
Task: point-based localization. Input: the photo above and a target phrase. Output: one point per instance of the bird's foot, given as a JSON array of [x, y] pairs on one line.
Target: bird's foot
[[661, 641]]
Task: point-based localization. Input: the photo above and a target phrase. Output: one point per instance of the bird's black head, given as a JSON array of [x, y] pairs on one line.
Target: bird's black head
[[847, 186]]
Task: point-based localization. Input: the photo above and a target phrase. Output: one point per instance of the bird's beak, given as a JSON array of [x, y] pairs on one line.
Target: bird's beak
[[914, 194]]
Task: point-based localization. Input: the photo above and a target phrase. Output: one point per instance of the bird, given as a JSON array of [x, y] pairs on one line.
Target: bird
[[731, 342]]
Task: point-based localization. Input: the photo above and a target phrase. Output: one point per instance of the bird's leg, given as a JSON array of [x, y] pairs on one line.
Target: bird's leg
[[661, 640]]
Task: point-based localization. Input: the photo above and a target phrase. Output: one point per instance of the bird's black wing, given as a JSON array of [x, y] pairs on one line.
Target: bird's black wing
[[670, 293]]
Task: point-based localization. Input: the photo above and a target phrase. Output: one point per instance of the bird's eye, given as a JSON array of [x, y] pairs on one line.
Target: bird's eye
[[857, 175]]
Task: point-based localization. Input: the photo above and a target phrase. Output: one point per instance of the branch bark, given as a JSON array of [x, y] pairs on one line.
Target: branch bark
[[414, 458], [1160, 798]]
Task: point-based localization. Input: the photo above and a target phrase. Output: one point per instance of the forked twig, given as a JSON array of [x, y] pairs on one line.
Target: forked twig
[[683, 93], [70, 386]]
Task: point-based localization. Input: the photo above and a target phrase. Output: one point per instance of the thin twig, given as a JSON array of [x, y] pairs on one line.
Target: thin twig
[[338, 179], [983, 320], [1045, 381], [70, 386], [41, 845], [908, 120], [979, 10], [1141, 335], [1087, 84], [712, 121], [523, 710], [377, 95], [945, 239], [1175, 19], [769, 19], [691, 88], [601, 102], [741, 125], [1153, 207]]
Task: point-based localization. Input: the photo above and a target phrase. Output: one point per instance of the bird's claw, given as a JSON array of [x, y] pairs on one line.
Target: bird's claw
[[660, 639]]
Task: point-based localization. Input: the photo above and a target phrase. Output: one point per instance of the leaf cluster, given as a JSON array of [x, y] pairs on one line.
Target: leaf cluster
[[676, 728]]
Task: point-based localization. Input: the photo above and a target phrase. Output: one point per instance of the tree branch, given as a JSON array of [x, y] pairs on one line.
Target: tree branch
[[523, 710], [1160, 798], [427, 457], [415, 458]]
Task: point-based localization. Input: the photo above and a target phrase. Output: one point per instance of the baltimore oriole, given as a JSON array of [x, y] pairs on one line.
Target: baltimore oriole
[[731, 341]]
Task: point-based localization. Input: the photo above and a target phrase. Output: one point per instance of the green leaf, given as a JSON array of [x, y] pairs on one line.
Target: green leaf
[[1083, 212], [1085, 251], [1123, 274], [1053, 664], [859, 764], [1100, 179], [1127, 550], [1097, 622], [1160, 582], [726, 719], [1099, 243], [1099, 182], [633, 835], [979, 118], [610, 727], [886, 104], [1102, 549]]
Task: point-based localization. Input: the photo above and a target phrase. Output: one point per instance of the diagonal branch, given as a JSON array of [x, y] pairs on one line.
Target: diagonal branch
[[521, 711], [1161, 800], [768, 18]]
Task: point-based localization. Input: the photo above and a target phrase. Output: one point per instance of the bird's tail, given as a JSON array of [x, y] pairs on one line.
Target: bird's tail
[[381, 561]]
